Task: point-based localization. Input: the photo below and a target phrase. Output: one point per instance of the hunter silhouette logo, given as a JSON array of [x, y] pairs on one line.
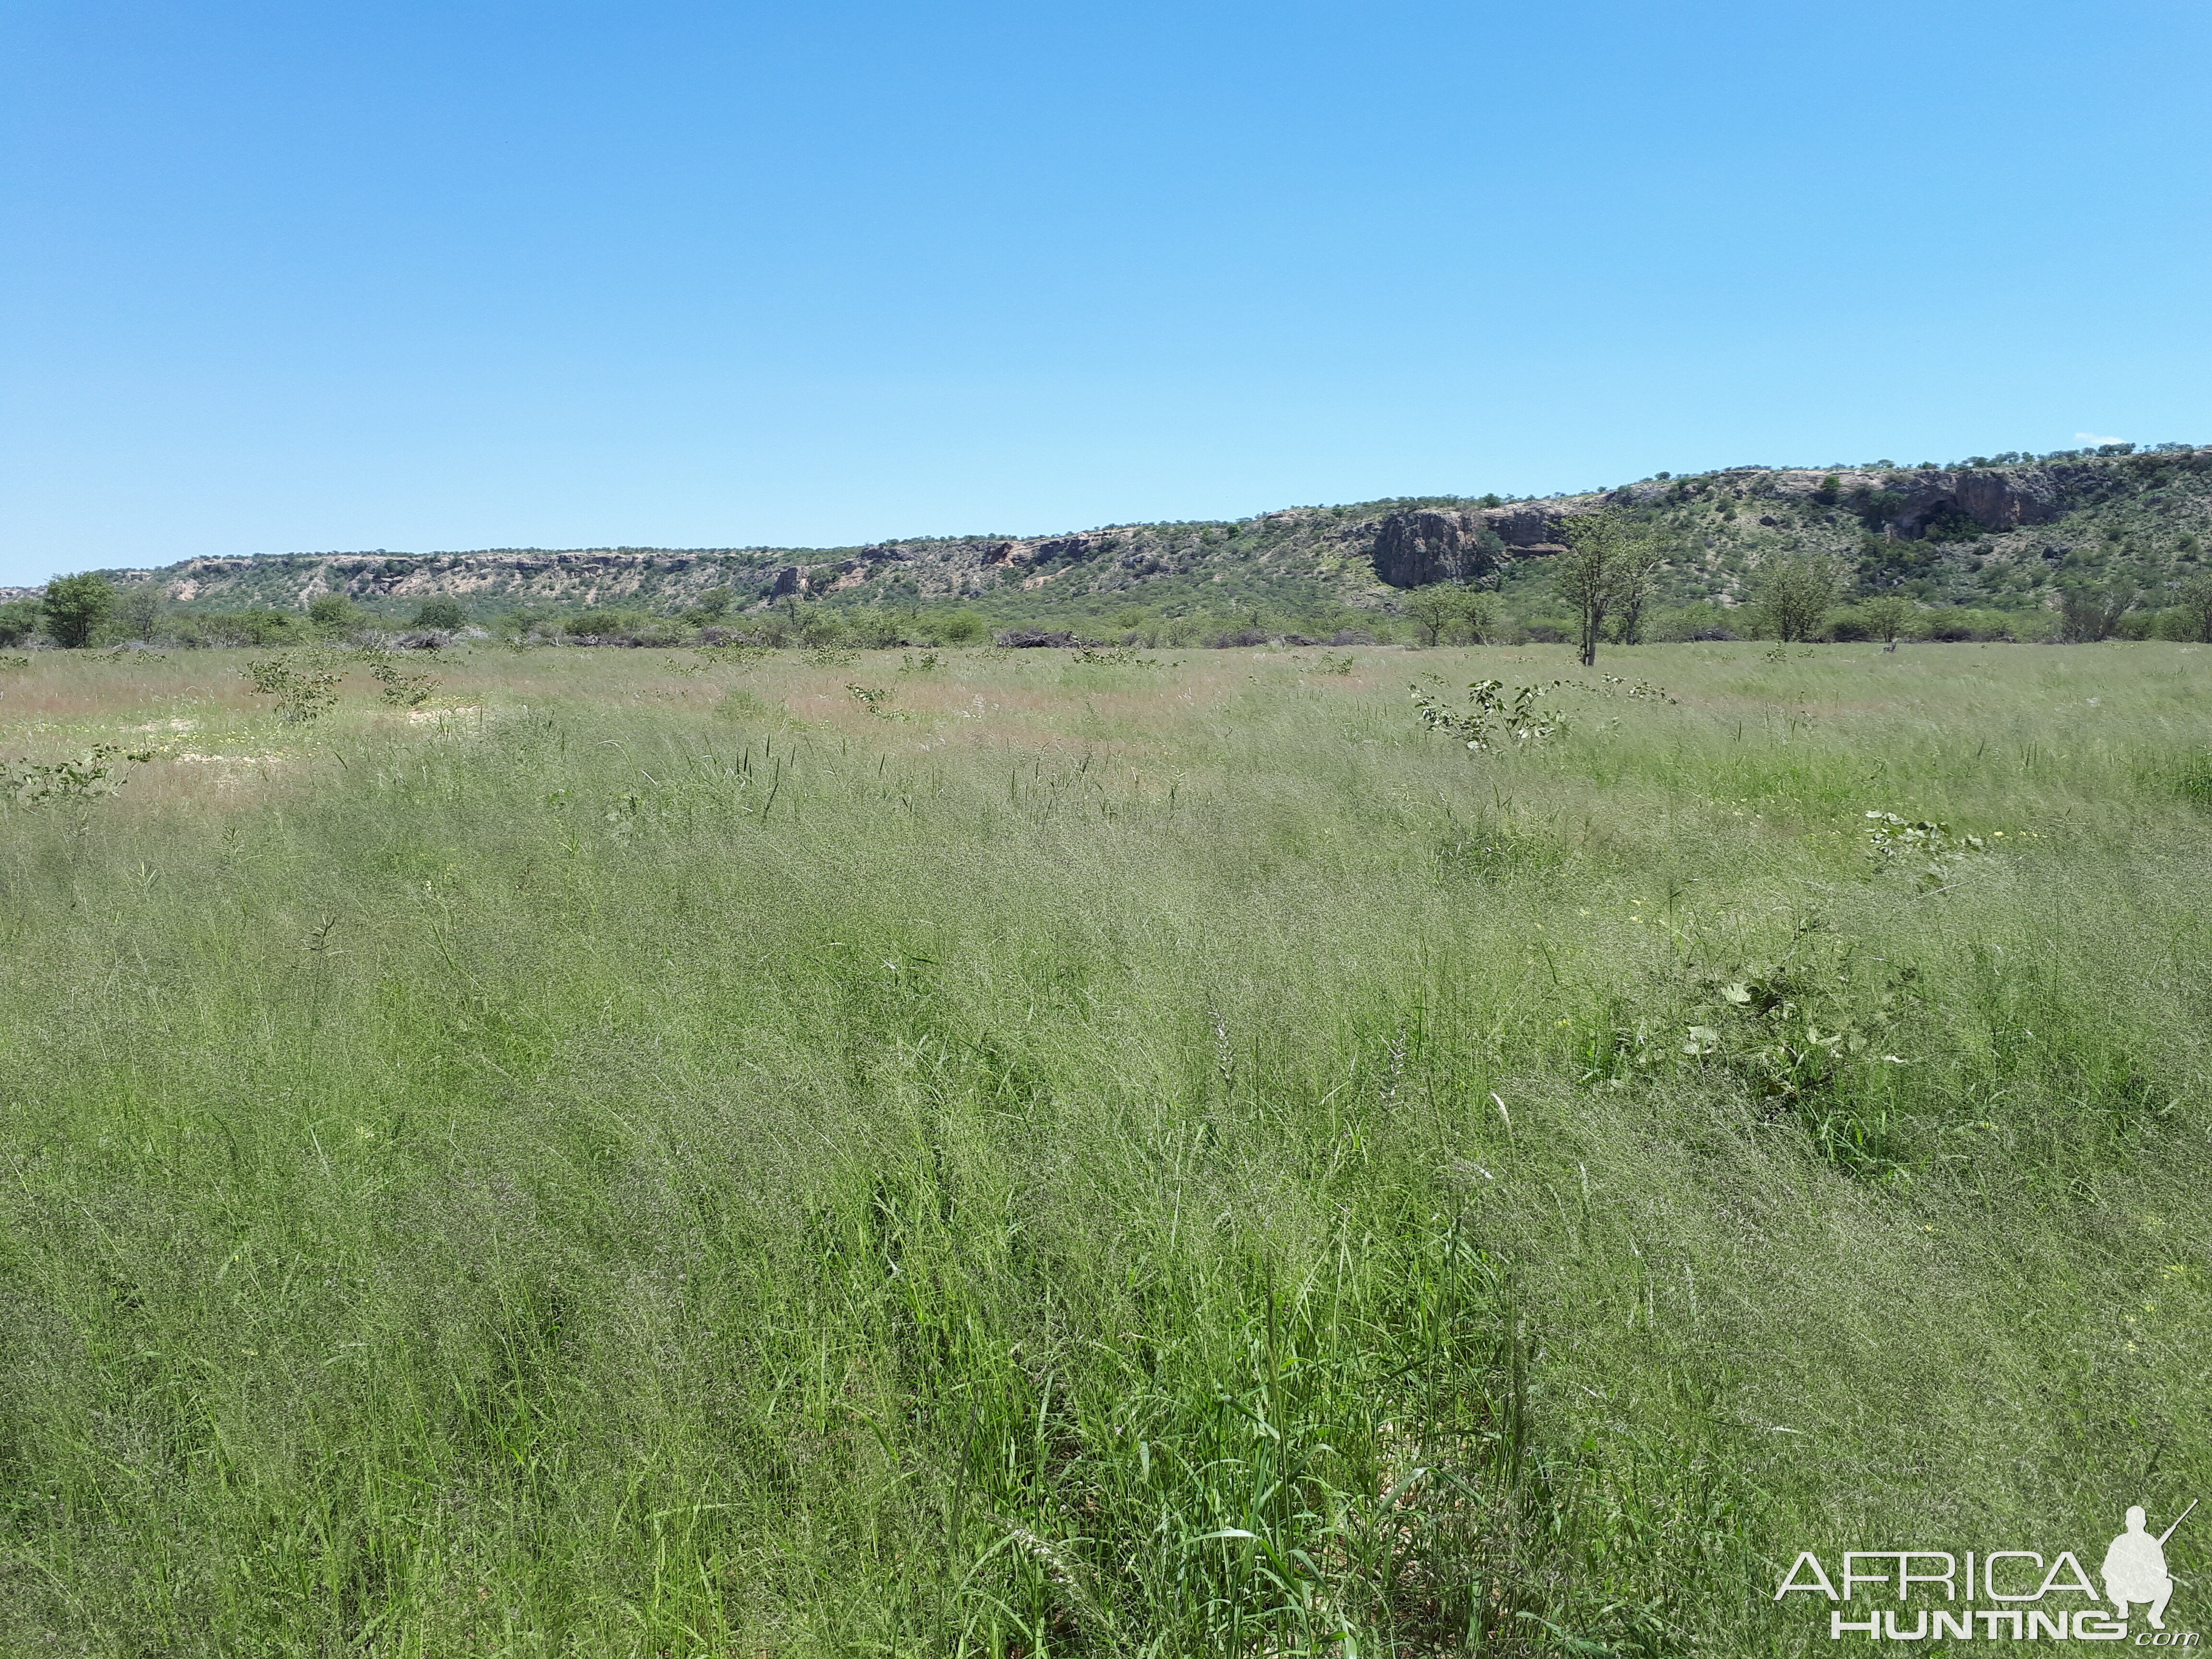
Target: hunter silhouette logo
[[2027, 1592], [2135, 1567]]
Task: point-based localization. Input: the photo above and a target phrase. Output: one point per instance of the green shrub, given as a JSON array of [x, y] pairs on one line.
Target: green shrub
[[444, 615], [19, 620], [611, 623], [1795, 591], [74, 607], [1700, 621], [139, 609], [263, 626], [877, 630], [334, 615], [305, 687]]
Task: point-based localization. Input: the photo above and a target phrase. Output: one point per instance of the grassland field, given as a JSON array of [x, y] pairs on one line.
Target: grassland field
[[655, 1153]]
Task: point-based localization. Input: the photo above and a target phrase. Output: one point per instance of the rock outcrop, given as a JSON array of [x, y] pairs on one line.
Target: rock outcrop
[[1993, 500], [1415, 547]]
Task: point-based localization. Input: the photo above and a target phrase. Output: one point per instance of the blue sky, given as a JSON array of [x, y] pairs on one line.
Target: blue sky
[[284, 277]]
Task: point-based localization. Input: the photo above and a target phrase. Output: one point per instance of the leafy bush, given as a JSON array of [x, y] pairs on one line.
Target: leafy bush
[[306, 688], [2087, 613], [1884, 618], [1700, 621], [85, 777], [609, 625], [401, 689], [1489, 716], [877, 630], [1795, 591], [264, 627], [74, 608], [19, 620], [334, 615], [444, 615], [711, 606]]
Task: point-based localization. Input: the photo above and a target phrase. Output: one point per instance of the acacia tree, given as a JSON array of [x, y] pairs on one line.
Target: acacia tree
[[2087, 615], [1633, 578], [1888, 615], [1796, 591], [1441, 610], [1479, 610], [1587, 576], [75, 606], [1432, 610]]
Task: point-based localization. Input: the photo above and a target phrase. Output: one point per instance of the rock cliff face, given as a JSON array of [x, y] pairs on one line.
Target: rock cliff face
[[1414, 548], [1428, 545], [1993, 500]]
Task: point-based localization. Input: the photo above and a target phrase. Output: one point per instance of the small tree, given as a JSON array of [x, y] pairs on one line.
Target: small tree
[[75, 606], [2089, 614], [1886, 616], [138, 610], [1587, 576], [1432, 611], [1478, 611], [2195, 598], [333, 616], [444, 615], [1796, 592], [1633, 579], [305, 689]]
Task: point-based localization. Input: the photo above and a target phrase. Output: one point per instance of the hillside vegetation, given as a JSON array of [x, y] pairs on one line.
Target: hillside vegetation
[[690, 1153], [1997, 547]]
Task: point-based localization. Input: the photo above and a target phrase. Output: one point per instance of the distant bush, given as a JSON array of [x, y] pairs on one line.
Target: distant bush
[[711, 606], [334, 615], [19, 620], [443, 614], [1849, 627], [263, 626], [2088, 614], [877, 630], [609, 625], [1700, 621], [960, 628], [820, 630]]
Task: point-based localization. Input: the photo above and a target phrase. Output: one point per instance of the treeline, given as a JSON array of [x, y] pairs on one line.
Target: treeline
[[1796, 598]]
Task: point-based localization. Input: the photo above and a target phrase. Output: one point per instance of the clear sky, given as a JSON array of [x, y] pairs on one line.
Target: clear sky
[[292, 277]]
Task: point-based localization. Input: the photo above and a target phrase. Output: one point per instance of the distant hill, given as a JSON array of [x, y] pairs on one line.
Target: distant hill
[[1998, 533]]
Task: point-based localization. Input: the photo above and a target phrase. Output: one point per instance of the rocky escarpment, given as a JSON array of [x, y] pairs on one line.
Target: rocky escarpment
[[1415, 547], [1357, 555]]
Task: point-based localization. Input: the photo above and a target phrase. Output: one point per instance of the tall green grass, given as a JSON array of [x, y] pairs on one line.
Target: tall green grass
[[1126, 1160]]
